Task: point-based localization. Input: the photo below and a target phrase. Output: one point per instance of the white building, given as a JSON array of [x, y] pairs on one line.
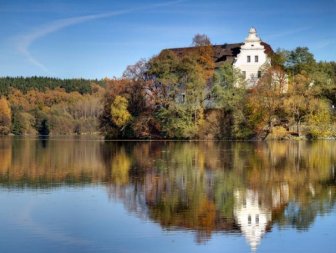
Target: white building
[[252, 57]]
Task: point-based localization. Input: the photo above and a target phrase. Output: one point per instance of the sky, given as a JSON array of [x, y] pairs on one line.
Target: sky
[[100, 38]]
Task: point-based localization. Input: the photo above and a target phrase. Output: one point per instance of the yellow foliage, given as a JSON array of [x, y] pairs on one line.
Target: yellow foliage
[[319, 119], [120, 167], [5, 116], [278, 133], [119, 112]]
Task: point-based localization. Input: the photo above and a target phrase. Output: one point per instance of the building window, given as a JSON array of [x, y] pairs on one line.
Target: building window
[[259, 74], [183, 98], [249, 219], [256, 58], [244, 74], [248, 58], [257, 219]]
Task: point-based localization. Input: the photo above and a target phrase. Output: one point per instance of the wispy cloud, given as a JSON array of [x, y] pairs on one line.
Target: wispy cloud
[[287, 32], [25, 41], [323, 43]]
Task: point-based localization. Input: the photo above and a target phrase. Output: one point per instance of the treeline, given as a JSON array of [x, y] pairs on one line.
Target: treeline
[[50, 111], [185, 97], [25, 84], [181, 96]]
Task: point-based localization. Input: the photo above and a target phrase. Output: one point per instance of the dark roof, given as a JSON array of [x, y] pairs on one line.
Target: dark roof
[[222, 53]]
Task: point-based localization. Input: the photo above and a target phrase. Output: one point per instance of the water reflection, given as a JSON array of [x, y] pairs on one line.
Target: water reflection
[[206, 187]]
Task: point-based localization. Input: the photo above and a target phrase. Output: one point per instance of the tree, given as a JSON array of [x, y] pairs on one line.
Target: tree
[[318, 118], [204, 55], [137, 71], [201, 40], [163, 71], [279, 58], [181, 113], [324, 79], [227, 95], [227, 82], [42, 123], [5, 116], [115, 87], [137, 90], [300, 59], [119, 112], [265, 100], [299, 96]]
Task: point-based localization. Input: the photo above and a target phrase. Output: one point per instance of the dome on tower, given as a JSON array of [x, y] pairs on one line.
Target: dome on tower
[[252, 36], [253, 30]]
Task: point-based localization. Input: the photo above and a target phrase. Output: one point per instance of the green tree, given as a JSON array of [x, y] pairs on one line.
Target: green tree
[[279, 57], [227, 95], [300, 59]]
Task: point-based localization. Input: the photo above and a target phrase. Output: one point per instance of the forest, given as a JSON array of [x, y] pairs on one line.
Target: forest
[[189, 97], [171, 96], [60, 107]]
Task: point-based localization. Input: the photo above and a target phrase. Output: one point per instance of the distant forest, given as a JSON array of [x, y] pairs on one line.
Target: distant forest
[[44, 106], [25, 84], [174, 96]]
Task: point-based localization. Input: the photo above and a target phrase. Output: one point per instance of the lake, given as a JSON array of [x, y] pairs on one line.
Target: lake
[[87, 195]]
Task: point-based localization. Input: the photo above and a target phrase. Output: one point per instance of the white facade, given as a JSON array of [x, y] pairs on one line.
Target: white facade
[[251, 216], [251, 57]]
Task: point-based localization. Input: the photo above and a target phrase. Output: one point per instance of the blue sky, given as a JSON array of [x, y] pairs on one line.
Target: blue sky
[[99, 38]]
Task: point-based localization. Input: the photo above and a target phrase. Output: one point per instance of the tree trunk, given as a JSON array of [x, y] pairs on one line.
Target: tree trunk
[[298, 127]]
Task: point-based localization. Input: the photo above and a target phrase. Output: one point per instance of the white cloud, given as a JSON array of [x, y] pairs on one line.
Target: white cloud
[[24, 42]]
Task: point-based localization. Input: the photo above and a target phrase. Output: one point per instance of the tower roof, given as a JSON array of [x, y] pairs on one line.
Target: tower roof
[[252, 36]]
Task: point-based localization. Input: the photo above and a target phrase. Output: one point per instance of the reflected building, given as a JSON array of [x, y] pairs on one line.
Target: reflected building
[[253, 216], [253, 212]]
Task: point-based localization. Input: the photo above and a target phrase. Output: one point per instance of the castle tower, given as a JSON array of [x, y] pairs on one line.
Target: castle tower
[[251, 57]]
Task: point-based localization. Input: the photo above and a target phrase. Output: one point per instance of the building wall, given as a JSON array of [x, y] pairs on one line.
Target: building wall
[[251, 48]]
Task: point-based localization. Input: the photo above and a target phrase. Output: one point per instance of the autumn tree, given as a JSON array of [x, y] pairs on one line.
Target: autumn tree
[[182, 113], [119, 112], [204, 54], [143, 95], [318, 119], [115, 87], [265, 100], [299, 96], [5, 116], [179, 90]]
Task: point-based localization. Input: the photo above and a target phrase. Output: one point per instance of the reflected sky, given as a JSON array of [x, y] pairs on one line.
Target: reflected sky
[[86, 195]]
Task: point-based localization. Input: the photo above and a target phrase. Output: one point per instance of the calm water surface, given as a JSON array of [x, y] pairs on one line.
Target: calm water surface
[[84, 195]]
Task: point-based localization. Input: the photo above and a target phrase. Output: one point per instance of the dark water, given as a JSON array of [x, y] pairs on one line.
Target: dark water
[[82, 195]]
